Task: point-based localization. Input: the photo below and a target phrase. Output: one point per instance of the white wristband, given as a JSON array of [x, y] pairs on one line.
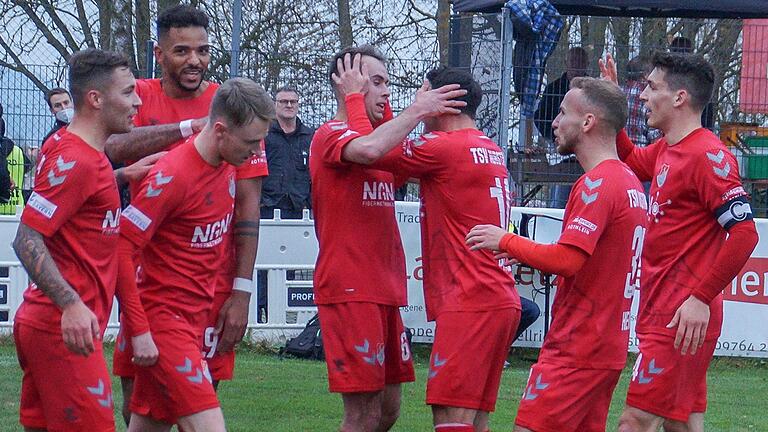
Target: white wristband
[[244, 285], [185, 127]]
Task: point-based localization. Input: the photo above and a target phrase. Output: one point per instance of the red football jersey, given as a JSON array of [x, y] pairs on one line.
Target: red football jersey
[[76, 207], [606, 218], [181, 218], [463, 183], [157, 108], [691, 182], [361, 257]]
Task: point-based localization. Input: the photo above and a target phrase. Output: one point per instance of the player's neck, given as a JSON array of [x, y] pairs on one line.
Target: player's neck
[[90, 130], [593, 151], [449, 123], [205, 143], [681, 128], [173, 91]]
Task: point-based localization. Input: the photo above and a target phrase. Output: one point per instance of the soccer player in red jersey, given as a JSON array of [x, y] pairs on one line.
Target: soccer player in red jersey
[[178, 220], [455, 164], [174, 107], [700, 234], [67, 242], [597, 260], [360, 270]]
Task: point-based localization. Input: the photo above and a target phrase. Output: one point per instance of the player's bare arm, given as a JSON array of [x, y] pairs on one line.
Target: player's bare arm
[[137, 170], [78, 323], [352, 76], [429, 103], [233, 316], [147, 140]]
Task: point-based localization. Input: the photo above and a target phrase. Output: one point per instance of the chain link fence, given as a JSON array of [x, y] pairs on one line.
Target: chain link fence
[[736, 112]]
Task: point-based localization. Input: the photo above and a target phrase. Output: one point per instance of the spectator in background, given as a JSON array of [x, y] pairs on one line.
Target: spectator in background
[[60, 104], [576, 63], [14, 158], [6, 184], [637, 125], [287, 147], [683, 45]]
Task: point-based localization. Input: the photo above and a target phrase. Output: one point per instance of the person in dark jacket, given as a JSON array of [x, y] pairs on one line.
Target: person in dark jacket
[[287, 187]]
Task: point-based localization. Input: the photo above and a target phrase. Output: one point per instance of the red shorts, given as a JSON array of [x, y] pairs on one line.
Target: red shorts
[[565, 399], [667, 383], [369, 354], [62, 391], [468, 357], [122, 365], [179, 384], [221, 365]]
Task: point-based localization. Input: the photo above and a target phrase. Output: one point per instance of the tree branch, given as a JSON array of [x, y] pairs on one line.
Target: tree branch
[[63, 29], [82, 18], [19, 66], [43, 28]]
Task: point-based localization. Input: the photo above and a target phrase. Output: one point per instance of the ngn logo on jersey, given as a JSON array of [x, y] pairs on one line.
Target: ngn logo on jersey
[[212, 234]]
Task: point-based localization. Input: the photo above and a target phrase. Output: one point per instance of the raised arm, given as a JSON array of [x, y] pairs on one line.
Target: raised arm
[[367, 149], [79, 325], [146, 140]]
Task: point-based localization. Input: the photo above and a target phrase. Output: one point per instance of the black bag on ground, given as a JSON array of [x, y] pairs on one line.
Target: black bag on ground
[[308, 344]]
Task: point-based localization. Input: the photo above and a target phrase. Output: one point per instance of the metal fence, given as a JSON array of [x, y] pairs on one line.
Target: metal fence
[[543, 179], [736, 111]]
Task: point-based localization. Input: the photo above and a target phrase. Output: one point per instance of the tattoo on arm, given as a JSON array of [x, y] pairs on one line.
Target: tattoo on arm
[[37, 260], [247, 228], [141, 141]]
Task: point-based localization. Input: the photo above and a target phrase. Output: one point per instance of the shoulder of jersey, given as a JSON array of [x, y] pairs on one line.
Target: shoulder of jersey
[[335, 125], [425, 138]]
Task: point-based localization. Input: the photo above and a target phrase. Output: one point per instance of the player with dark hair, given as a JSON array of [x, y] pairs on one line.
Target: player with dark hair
[[469, 295], [178, 220], [597, 259], [700, 234], [67, 242], [359, 276], [174, 107]]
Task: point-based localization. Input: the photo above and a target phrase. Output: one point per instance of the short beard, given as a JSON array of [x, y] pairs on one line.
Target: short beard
[[177, 79]]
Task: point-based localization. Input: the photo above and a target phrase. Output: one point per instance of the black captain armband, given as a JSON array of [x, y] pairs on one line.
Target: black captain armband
[[734, 211]]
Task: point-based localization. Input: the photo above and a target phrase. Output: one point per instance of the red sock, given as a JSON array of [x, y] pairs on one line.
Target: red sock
[[454, 427]]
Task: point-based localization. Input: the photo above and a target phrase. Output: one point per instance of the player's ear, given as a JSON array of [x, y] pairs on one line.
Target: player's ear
[[589, 122], [680, 97]]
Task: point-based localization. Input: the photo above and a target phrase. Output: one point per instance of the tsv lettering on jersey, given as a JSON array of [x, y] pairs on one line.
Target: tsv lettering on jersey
[[111, 223], [637, 199], [378, 193], [211, 234], [482, 155]]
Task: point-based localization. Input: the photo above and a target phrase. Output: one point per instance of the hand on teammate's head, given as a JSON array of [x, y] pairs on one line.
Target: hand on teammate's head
[[434, 102]]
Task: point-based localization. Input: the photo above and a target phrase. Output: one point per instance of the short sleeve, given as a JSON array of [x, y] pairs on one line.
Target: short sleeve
[[160, 194], [588, 214], [63, 183], [331, 140], [719, 187], [254, 167]]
